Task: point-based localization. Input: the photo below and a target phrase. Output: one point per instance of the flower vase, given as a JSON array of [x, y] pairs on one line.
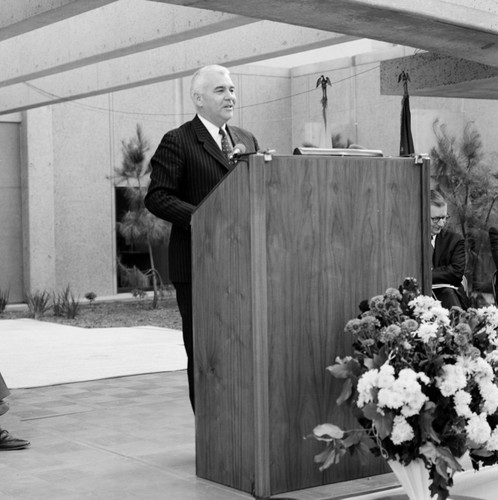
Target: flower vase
[[414, 478]]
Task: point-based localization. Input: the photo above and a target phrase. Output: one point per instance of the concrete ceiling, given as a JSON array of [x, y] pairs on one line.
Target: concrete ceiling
[[460, 30], [464, 28], [57, 50]]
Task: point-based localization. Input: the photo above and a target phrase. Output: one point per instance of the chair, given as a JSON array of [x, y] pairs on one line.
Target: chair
[[494, 285]]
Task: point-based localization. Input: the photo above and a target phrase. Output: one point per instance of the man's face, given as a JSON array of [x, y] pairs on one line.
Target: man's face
[[216, 98], [439, 215]]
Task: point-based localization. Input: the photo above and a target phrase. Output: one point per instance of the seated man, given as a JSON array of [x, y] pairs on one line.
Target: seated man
[[448, 257], [7, 441]]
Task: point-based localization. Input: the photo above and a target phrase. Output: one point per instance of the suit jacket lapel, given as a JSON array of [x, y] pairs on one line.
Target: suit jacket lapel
[[209, 143], [234, 136]]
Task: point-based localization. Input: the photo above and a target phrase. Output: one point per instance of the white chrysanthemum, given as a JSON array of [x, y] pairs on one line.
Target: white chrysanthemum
[[366, 384], [490, 314], [492, 443], [386, 376], [402, 430], [462, 402], [390, 398], [483, 370], [414, 398], [468, 364], [478, 429], [428, 309], [492, 357], [423, 303], [427, 331], [405, 393], [489, 393], [451, 380], [440, 314]]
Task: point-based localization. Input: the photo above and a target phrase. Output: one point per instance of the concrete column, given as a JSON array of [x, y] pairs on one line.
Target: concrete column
[[38, 201]]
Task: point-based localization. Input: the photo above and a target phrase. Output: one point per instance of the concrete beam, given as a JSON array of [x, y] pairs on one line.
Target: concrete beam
[[22, 16], [117, 30], [468, 28], [435, 75], [167, 63]]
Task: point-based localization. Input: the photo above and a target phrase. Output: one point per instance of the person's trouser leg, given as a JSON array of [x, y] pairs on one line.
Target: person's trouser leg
[[184, 301], [448, 297], [4, 391], [7, 441]]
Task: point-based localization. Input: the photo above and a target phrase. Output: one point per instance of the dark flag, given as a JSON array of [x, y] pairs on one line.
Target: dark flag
[[406, 141]]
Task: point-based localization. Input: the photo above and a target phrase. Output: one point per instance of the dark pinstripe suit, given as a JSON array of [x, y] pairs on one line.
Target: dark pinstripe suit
[[186, 166]]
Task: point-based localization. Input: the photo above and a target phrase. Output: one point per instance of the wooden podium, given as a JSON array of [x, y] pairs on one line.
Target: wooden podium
[[283, 253]]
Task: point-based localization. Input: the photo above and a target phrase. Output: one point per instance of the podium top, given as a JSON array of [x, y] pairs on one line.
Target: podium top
[[338, 152]]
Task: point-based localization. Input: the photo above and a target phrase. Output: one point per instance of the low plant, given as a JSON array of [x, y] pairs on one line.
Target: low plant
[[65, 304], [132, 276], [91, 296], [138, 293], [4, 299], [38, 303]]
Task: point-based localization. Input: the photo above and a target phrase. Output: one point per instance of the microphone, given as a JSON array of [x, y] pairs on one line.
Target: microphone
[[238, 150]]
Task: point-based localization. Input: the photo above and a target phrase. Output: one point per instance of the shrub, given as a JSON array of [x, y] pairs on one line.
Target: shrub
[[65, 304], [138, 292], [4, 299], [38, 303], [91, 296]]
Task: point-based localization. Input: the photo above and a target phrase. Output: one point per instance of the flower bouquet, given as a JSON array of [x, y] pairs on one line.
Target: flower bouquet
[[421, 383]]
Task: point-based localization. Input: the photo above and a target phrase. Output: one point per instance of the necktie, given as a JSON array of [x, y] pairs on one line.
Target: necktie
[[226, 147]]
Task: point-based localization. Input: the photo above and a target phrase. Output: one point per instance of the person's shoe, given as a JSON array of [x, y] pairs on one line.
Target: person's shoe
[[4, 407], [9, 442]]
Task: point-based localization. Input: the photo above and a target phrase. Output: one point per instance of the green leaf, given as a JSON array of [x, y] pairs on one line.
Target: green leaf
[[352, 438], [334, 458], [370, 411], [445, 455], [369, 363], [482, 452], [347, 390], [429, 450], [364, 453], [340, 370], [384, 425], [324, 432], [427, 431]]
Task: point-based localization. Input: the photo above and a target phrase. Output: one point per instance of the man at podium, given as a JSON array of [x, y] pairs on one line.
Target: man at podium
[[188, 163]]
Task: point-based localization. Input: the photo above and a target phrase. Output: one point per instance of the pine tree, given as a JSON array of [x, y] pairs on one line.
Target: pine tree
[[138, 224]]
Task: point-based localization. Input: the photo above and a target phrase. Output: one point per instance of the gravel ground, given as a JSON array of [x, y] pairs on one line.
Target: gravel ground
[[136, 312]]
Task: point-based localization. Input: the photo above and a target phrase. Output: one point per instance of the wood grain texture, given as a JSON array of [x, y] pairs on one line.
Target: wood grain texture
[[223, 341], [283, 254]]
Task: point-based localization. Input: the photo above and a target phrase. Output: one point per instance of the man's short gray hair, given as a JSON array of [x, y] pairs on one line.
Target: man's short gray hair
[[197, 81]]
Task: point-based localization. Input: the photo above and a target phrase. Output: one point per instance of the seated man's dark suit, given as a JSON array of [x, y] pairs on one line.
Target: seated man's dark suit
[[448, 261], [186, 166]]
